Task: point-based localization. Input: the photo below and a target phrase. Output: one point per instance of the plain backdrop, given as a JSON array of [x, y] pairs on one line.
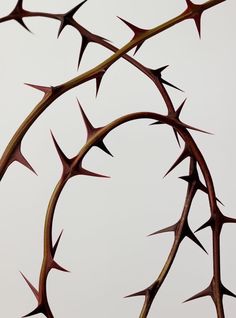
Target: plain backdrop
[[106, 221]]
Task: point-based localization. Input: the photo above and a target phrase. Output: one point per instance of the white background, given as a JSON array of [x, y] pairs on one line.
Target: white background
[[106, 221]]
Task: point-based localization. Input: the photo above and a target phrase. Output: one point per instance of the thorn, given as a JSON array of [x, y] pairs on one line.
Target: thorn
[[17, 13], [66, 162], [156, 123], [227, 292], [43, 89], [54, 249], [89, 127], [82, 171], [91, 130], [98, 80], [227, 219], [177, 137], [196, 10], [140, 293], [171, 228], [18, 156], [103, 147], [185, 153], [84, 43], [179, 109], [22, 23], [55, 265], [157, 73], [206, 292], [37, 310], [193, 238], [137, 31], [68, 16], [209, 223], [193, 128], [33, 289], [73, 11]]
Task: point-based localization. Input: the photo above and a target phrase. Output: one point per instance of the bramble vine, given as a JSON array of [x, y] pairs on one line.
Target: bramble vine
[[95, 138]]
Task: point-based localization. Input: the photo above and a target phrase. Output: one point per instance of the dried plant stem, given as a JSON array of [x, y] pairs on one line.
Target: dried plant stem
[[53, 93], [73, 167]]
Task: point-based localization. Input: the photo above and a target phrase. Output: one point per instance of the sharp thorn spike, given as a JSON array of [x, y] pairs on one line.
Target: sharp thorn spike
[[140, 293], [18, 156], [193, 128], [171, 85], [185, 153], [156, 123], [84, 43], [99, 80], [179, 109], [103, 147], [73, 11], [176, 137], [43, 89], [171, 228], [33, 289], [22, 23], [204, 293], [208, 223], [133, 27], [37, 310], [64, 160], [54, 249], [82, 171], [229, 219], [193, 238], [89, 127], [55, 265], [227, 292]]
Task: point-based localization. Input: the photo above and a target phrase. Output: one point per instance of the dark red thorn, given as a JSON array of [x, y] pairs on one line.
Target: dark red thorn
[[89, 127], [176, 137], [18, 156], [179, 109], [34, 290], [192, 237], [73, 11], [22, 23], [82, 171], [227, 292], [137, 31], [66, 162], [43, 89], [38, 310], [68, 16], [98, 80], [156, 123], [208, 223], [171, 228], [193, 128], [157, 73], [196, 10], [206, 292], [103, 147], [84, 43], [227, 219], [54, 249], [17, 13], [55, 265], [140, 293], [185, 154]]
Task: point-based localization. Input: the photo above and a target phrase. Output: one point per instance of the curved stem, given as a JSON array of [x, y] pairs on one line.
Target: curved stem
[[99, 135]]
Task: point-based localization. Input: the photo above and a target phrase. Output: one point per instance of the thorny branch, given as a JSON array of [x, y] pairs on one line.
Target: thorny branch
[[72, 167]]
